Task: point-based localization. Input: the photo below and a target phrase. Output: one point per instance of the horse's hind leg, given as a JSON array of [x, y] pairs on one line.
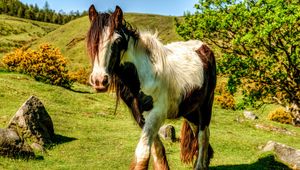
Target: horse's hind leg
[[205, 152], [159, 155], [204, 149]]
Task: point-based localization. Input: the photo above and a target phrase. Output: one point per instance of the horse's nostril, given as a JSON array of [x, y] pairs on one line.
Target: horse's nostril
[[97, 82], [105, 80]]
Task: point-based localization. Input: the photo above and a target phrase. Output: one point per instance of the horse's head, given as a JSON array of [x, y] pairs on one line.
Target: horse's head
[[106, 40]]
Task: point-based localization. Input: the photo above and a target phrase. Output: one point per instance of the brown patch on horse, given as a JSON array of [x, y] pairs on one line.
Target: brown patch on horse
[[117, 18], [196, 108], [158, 149], [206, 55], [92, 13], [188, 143], [142, 165]]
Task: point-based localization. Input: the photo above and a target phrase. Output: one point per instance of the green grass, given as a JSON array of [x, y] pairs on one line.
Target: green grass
[[94, 138], [70, 38], [16, 32]]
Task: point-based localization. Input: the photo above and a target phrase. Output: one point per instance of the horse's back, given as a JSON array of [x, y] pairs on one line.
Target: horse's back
[[187, 67], [190, 45]]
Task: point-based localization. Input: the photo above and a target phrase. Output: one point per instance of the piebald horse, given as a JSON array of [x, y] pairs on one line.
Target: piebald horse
[[156, 82]]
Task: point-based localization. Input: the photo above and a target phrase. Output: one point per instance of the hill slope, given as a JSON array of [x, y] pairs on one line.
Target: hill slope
[[16, 32], [94, 138], [70, 38]]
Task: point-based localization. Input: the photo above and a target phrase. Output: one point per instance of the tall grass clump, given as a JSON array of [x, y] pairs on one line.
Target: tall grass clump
[[46, 64]]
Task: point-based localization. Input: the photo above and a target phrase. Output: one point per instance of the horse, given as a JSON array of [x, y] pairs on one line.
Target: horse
[[157, 82]]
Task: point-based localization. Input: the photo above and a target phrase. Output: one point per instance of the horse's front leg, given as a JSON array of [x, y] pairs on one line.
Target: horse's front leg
[[153, 122], [159, 155]]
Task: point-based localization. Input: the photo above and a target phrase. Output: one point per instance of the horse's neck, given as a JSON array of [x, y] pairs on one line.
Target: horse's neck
[[154, 51], [148, 55], [151, 44]]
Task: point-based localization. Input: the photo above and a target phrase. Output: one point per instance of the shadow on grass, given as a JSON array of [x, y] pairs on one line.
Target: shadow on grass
[[60, 139], [266, 163], [80, 91]]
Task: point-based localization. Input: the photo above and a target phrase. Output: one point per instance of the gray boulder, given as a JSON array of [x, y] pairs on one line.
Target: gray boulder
[[11, 145], [285, 153], [167, 132], [250, 115], [33, 122], [30, 129]]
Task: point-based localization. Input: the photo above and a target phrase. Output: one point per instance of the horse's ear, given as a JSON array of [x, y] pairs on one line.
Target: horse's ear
[[92, 13], [118, 17]]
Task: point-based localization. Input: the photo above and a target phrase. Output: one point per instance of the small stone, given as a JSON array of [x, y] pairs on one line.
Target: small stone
[[250, 115], [167, 132], [275, 129]]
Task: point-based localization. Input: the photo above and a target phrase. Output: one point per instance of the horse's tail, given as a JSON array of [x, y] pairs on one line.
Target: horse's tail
[[189, 144]]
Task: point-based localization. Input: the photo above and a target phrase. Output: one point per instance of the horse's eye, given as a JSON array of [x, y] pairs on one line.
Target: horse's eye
[[118, 40]]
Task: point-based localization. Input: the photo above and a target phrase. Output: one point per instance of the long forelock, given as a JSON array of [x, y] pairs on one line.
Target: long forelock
[[95, 33]]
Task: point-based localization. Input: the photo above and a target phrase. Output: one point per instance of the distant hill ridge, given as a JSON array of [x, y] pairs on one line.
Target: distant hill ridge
[[33, 12], [16, 32], [70, 38]]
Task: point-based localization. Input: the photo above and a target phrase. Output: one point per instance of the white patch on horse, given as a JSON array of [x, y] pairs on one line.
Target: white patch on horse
[[142, 151], [203, 139], [104, 52], [177, 68]]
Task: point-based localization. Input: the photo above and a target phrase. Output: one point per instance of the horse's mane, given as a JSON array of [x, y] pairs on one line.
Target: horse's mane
[[94, 34], [157, 52]]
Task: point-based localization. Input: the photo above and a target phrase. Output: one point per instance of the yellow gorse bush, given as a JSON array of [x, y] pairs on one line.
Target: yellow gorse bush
[[226, 101], [223, 97], [80, 76], [45, 64], [280, 115]]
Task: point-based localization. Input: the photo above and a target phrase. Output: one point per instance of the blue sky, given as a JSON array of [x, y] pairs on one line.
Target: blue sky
[[162, 7]]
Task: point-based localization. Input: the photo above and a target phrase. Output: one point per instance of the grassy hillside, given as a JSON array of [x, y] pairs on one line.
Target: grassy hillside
[[16, 32], [70, 38], [94, 138]]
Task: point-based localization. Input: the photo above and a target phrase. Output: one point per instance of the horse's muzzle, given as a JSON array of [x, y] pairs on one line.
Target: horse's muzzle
[[99, 84], [101, 89]]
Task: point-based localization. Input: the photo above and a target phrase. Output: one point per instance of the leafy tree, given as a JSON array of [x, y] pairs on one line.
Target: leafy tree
[[21, 12], [40, 16], [29, 14], [46, 6], [260, 45], [17, 8], [36, 8]]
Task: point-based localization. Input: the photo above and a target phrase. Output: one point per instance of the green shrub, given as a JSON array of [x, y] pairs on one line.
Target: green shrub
[[280, 115], [45, 64]]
